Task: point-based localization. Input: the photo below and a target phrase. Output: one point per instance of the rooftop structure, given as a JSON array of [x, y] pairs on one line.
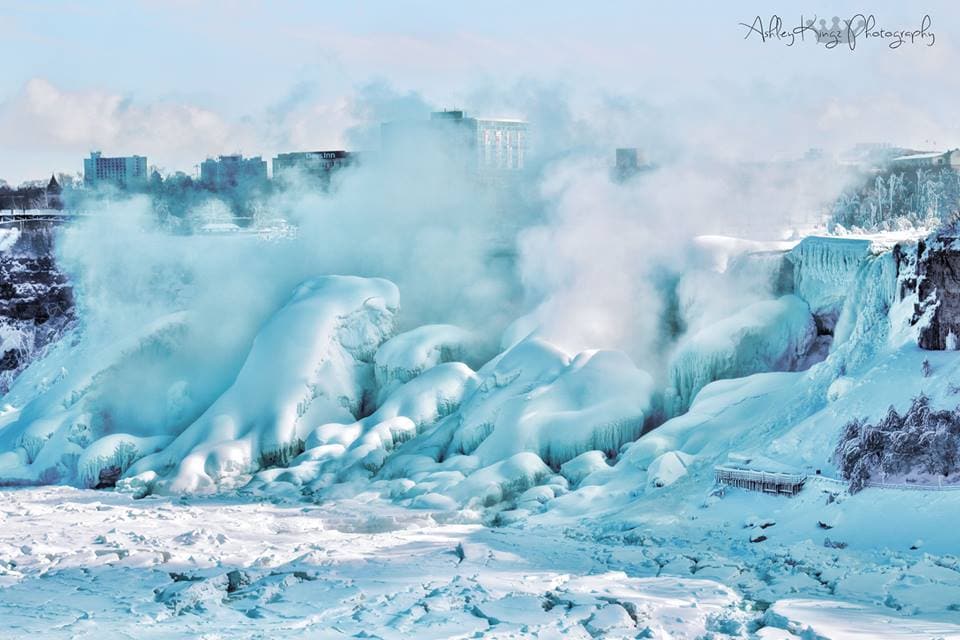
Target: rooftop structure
[[930, 159]]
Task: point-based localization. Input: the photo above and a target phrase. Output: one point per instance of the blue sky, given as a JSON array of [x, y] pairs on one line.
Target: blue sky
[[178, 79]]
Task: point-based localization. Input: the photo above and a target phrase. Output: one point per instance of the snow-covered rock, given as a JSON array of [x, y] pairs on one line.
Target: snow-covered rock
[[36, 300], [668, 468]]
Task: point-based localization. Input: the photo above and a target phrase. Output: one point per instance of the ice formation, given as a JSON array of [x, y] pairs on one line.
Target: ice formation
[[824, 270], [325, 404], [310, 364], [772, 335], [409, 354]]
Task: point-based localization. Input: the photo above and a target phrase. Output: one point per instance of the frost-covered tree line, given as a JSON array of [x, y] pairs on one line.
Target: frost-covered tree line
[[921, 441], [182, 202], [899, 199]]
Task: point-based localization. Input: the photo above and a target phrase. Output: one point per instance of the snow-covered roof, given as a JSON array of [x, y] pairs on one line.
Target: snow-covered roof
[[927, 155]]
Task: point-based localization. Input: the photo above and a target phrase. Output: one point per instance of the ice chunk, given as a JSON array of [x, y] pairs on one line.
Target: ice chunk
[[668, 468]]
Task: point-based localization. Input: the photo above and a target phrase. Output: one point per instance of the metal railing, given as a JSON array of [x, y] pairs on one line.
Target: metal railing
[[727, 475], [762, 481]]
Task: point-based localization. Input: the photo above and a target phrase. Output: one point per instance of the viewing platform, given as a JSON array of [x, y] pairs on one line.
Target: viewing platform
[[781, 484]]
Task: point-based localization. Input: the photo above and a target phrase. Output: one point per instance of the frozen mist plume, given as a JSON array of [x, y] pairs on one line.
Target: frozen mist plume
[[585, 260], [599, 267]]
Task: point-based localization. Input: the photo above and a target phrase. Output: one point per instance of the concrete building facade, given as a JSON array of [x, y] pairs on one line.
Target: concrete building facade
[[121, 171], [229, 172], [319, 165], [483, 146], [929, 160]]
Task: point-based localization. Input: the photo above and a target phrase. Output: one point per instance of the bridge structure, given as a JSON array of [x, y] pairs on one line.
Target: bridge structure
[[31, 218]]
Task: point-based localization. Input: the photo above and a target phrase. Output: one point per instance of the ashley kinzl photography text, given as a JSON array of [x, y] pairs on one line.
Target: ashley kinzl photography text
[[424, 320], [857, 30]]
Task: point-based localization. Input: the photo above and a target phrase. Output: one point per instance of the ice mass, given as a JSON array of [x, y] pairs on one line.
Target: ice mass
[[504, 387]]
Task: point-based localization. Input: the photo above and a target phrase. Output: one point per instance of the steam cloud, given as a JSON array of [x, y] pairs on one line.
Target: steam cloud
[[586, 260]]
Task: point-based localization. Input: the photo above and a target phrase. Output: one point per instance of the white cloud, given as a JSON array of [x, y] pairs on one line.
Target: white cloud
[[51, 129]]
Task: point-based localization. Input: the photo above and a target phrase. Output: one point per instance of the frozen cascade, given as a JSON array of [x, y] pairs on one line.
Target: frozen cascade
[[824, 269], [436, 422], [771, 335]]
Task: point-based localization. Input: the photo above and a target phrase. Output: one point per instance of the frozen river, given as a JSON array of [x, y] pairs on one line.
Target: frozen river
[[76, 564]]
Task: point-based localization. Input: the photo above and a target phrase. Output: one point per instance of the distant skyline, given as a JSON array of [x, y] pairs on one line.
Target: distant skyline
[[178, 81]]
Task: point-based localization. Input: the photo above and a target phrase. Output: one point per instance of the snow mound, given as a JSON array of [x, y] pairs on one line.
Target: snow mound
[[310, 364], [583, 465], [407, 355], [771, 335], [497, 482], [106, 459], [535, 399], [450, 435], [668, 468], [336, 452]]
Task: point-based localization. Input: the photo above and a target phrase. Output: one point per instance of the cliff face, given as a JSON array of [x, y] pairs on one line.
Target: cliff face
[[36, 301], [937, 312]]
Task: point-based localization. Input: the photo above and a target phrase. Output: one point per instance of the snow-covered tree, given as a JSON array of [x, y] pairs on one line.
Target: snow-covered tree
[[921, 441]]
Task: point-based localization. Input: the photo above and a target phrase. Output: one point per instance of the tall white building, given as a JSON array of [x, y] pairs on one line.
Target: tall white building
[[487, 147], [501, 144], [122, 171]]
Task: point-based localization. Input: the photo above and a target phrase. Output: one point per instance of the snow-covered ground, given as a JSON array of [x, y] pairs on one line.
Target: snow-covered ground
[[327, 473], [219, 567]]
